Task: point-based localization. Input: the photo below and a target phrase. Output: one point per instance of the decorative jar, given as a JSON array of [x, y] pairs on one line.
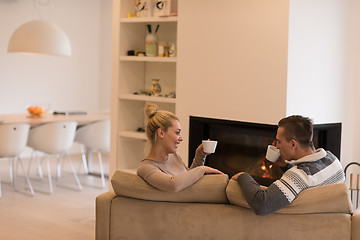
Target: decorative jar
[[155, 87]]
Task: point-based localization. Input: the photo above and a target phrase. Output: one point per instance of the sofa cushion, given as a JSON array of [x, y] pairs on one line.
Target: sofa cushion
[[325, 199], [210, 188]]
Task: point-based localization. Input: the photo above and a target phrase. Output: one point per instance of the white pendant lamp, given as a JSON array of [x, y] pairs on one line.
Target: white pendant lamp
[[40, 38]]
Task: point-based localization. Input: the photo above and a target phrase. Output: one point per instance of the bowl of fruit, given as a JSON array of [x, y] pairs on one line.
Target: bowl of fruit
[[36, 111]]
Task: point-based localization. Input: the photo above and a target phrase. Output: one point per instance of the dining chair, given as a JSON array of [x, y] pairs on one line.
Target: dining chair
[[13, 138], [54, 139], [94, 136]]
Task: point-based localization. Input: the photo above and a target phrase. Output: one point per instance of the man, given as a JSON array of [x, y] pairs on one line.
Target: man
[[311, 168]]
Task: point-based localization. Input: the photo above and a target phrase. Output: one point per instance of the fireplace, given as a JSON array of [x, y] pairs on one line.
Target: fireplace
[[242, 145]]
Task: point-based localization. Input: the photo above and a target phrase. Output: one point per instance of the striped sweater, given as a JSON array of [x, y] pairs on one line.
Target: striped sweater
[[318, 169]]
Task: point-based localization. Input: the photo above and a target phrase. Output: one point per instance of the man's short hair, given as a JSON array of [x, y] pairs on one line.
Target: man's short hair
[[298, 128]]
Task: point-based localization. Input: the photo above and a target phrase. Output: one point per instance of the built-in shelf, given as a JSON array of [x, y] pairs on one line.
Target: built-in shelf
[[146, 98], [135, 73], [147, 59], [133, 134], [148, 20]]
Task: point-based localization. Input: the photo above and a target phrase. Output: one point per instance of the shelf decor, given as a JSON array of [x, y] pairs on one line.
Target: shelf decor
[[151, 42]]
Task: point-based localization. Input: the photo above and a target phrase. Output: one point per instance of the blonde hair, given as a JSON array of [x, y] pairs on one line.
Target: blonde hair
[[157, 119]]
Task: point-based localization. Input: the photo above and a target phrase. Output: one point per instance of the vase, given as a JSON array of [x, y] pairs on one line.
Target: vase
[[155, 87], [151, 45]]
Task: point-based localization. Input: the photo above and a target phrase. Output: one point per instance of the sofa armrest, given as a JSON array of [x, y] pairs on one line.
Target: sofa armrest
[[103, 209], [355, 225], [310, 200]]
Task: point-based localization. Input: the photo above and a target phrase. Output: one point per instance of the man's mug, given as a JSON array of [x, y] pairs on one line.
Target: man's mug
[[272, 153]]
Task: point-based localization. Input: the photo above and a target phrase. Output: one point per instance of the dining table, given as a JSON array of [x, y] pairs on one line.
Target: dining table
[[82, 118]]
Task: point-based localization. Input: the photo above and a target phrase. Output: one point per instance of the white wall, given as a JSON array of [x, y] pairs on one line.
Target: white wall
[[105, 52], [232, 61], [79, 82], [321, 67], [318, 58]]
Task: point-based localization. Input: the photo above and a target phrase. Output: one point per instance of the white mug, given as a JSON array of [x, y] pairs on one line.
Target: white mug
[[272, 153], [209, 146]]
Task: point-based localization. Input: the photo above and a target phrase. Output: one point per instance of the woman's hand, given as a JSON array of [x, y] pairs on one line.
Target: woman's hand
[[200, 150], [210, 170]]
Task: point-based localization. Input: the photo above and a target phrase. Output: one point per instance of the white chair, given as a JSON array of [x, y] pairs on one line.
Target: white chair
[[13, 138], [54, 139], [94, 136]]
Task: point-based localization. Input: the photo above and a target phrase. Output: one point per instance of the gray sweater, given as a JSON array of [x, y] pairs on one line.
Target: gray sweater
[[318, 169]]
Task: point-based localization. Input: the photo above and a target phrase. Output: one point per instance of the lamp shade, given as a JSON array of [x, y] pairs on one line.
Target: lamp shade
[[40, 37]]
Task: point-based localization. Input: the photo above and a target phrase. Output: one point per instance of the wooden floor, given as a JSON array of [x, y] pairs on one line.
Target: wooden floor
[[65, 214]]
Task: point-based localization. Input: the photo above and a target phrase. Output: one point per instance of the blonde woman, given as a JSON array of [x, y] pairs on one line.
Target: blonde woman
[[163, 168]]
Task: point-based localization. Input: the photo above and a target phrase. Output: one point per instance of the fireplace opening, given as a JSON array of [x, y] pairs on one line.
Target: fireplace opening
[[242, 145]]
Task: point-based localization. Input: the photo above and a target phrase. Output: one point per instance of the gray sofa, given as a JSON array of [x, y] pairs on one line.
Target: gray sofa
[[214, 208]]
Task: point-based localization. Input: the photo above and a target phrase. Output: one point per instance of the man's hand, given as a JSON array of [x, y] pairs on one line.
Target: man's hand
[[235, 177], [280, 162]]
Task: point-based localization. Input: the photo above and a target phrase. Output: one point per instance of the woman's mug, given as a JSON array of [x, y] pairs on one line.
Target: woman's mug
[[209, 146]]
